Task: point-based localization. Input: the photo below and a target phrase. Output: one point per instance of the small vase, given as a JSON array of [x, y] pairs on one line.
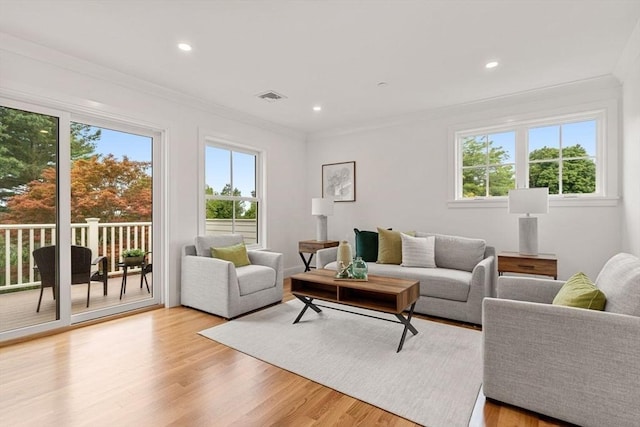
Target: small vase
[[360, 269], [344, 260]]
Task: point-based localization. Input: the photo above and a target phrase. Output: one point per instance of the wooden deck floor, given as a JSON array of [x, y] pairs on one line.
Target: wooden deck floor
[[18, 309]]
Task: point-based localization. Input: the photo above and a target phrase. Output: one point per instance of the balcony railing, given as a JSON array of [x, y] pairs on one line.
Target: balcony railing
[[18, 241]]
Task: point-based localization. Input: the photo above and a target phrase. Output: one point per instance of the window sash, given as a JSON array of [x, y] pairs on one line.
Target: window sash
[[522, 162], [256, 180]]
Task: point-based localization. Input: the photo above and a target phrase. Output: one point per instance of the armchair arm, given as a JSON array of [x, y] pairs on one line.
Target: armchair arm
[[577, 365], [269, 259], [482, 275], [103, 270], [528, 289], [206, 283], [325, 256]]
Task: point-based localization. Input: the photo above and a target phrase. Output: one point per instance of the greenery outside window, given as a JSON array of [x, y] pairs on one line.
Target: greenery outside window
[[232, 192], [562, 153]]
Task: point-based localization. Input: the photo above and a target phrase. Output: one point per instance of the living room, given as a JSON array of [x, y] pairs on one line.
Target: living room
[[404, 161]]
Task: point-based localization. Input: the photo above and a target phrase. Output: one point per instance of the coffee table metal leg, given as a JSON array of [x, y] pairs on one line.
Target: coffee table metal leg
[[308, 302], [407, 326]]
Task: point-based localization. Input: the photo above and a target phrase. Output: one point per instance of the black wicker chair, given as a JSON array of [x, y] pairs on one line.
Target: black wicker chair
[[81, 269]]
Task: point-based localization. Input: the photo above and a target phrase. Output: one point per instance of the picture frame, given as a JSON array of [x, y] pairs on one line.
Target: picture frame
[[339, 181]]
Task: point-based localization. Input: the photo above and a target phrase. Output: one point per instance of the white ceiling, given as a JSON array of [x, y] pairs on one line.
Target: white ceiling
[[334, 53]]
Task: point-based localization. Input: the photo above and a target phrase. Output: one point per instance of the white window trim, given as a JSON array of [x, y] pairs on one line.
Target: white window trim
[[209, 138], [605, 112]]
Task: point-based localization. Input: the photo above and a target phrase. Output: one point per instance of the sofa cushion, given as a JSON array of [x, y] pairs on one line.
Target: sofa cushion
[[205, 243], [458, 253], [237, 254], [619, 279], [579, 291], [366, 245], [390, 246], [434, 282], [255, 278], [418, 251]]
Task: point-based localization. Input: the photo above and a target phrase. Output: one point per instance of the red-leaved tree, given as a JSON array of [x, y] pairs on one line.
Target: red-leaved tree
[[101, 187]]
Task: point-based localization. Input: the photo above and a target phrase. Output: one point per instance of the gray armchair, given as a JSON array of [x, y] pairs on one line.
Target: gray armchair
[[577, 365], [218, 287]]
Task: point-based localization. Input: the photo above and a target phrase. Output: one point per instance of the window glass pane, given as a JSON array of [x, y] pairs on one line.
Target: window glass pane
[[578, 176], [581, 136], [244, 174], [501, 180], [248, 224], [544, 143], [474, 150], [502, 147], [28, 212], [218, 170], [474, 182], [544, 174]]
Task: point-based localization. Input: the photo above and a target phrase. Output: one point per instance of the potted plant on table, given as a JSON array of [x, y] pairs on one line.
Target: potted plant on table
[[133, 257]]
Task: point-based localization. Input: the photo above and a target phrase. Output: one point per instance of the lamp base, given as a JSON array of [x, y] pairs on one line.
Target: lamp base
[[528, 235], [321, 228]]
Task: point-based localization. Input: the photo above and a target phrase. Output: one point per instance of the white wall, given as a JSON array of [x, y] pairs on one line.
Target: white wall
[[631, 157], [32, 73], [402, 172]]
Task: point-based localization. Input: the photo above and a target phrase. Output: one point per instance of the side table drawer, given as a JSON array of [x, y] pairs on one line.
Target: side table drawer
[[545, 267]]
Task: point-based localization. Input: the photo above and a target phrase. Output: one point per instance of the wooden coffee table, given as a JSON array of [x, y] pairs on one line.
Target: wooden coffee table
[[383, 294]]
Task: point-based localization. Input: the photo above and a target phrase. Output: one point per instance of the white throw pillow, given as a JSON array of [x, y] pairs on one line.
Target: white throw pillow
[[418, 251]]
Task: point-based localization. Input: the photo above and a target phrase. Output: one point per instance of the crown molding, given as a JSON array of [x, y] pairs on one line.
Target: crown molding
[[40, 53], [605, 82]]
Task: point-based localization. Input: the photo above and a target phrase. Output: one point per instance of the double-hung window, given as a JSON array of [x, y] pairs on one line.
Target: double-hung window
[[233, 191], [562, 153]]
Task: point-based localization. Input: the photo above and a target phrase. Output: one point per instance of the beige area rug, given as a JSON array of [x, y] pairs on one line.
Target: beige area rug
[[433, 381]]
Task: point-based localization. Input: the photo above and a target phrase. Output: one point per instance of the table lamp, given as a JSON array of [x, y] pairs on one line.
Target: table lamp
[[321, 208], [528, 201]]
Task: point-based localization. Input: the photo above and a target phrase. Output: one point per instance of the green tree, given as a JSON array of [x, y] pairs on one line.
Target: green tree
[[223, 209], [578, 171], [252, 212], [475, 171], [28, 145]]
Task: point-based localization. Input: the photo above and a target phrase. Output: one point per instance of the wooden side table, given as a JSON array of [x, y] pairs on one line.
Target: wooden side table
[[311, 247], [541, 264]]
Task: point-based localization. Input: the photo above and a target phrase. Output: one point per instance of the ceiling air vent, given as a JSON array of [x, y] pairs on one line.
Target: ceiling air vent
[[271, 96]]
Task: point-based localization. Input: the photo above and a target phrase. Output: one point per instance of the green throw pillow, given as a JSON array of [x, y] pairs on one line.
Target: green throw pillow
[[367, 245], [237, 254], [579, 291], [390, 246]]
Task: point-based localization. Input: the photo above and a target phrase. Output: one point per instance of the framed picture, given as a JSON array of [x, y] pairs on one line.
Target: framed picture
[[339, 181]]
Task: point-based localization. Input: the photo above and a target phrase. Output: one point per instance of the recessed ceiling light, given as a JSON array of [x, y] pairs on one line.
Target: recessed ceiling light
[[184, 46], [317, 108], [492, 64]]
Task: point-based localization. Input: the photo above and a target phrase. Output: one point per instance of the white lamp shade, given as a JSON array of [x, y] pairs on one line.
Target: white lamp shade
[[529, 200], [320, 206]]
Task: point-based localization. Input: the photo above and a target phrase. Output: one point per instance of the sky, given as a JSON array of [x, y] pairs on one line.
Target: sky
[[583, 133], [135, 147], [217, 161]]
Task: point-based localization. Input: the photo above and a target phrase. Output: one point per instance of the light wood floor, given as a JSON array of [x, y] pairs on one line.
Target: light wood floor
[[153, 369]]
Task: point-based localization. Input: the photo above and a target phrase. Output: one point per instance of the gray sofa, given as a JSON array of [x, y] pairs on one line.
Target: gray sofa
[[577, 365], [218, 287], [464, 276]]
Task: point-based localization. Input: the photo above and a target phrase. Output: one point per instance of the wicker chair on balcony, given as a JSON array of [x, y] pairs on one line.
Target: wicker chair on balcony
[[81, 269]]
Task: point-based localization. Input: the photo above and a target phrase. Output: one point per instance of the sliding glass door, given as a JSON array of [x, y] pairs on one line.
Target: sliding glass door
[[29, 144], [111, 212], [76, 199]]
